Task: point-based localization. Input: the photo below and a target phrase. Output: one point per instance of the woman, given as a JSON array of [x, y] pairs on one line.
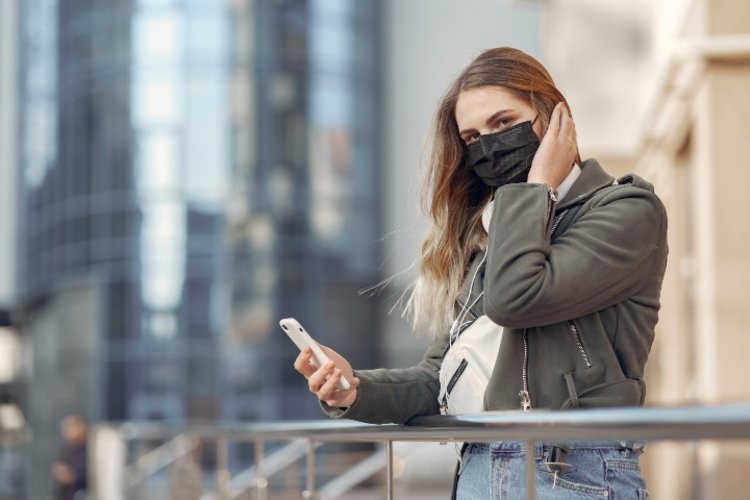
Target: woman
[[566, 259]]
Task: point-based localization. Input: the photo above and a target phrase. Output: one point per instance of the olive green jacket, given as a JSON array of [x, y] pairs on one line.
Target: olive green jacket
[[576, 285]]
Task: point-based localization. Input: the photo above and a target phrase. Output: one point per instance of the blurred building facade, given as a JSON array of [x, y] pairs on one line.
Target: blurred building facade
[[674, 79], [13, 429], [8, 148], [190, 172]]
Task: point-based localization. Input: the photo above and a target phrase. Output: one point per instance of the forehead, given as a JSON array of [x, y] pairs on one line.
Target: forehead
[[475, 105]]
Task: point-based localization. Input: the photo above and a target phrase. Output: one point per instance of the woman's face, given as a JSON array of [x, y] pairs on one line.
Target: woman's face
[[484, 110]]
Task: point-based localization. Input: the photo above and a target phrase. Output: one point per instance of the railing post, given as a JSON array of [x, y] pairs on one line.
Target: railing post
[[530, 460], [310, 493], [107, 454], [261, 482], [185, 472], [389, 470], [223, 476]]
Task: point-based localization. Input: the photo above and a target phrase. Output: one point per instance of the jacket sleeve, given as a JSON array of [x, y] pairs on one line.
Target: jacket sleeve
[[396, 396], [602, 259]]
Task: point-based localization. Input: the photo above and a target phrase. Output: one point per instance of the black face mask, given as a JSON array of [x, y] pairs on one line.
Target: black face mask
[[503, 157]]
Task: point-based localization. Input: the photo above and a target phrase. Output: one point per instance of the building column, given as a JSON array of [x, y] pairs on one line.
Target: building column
[[722, 239]]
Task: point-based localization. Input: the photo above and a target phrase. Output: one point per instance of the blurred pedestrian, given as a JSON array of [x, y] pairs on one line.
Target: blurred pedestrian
[[70, 470]]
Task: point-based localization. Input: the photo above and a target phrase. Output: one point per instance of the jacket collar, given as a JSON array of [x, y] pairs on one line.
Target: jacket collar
[[592, 179]]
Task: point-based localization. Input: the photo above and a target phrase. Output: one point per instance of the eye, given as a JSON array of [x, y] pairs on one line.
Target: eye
[[503, 122], [471, 138]]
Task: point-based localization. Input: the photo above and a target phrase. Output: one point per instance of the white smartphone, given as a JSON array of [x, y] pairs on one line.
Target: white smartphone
[[299, 336]]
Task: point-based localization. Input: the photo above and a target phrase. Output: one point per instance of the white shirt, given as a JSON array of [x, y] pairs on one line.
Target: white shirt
[[565, 185]]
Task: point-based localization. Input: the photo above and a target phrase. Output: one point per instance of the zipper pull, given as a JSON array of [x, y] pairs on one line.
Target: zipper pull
[[525, 400]]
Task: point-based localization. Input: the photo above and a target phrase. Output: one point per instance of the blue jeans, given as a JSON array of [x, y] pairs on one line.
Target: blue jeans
[[495, 471]]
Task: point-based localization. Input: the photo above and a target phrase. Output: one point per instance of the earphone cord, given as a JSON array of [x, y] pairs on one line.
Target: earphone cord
[[467, 307]]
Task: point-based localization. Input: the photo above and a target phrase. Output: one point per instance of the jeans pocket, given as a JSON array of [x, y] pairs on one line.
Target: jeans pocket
[[578, 482], [625, 479]]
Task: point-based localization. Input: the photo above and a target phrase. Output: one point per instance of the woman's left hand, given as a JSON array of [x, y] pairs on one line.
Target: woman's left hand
[[557, 151]]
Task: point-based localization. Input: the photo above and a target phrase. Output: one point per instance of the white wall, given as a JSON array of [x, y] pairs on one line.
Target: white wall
[[8, 100]]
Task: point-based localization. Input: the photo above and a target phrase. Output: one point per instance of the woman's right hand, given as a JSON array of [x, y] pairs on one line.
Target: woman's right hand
[[323, 381], [557, 150]]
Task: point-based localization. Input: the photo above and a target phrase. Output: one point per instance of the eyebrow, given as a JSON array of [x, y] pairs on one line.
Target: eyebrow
[[489, 121]]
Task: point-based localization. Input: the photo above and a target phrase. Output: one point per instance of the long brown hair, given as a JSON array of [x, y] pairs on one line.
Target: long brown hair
[[454, 197]]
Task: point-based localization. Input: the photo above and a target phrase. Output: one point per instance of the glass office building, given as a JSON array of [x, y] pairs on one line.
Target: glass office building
[[191, 171]]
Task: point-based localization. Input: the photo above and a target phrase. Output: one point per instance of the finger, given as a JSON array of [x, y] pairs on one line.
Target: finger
[[573, 129], [317, 379], [342, 398], [566, 122], [560, 115], [302, 357], [302, 363], [554, 121], [328, 390]]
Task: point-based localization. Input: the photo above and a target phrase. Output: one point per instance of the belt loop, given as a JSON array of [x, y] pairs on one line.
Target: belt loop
[[557, 463], [559, 454], [633, 445]]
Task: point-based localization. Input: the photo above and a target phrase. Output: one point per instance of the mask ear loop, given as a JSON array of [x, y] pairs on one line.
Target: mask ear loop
[[531, 155]]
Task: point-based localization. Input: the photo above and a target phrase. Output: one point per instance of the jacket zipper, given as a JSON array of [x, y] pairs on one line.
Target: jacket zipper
[[579, 343], [558, 220], [524, 394]]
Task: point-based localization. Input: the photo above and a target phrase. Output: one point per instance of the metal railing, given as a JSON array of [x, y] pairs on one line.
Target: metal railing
[[612, 424]]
